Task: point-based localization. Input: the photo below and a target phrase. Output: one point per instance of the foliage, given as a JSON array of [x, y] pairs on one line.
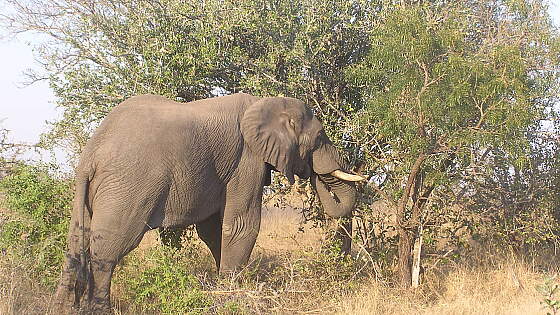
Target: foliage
[[518, 205], [3, 139], [104, 52], [500, 203], [162, 279], [443, 83], [9, 151], [323, 268], [166, 285], [551, 301], [37, 222]]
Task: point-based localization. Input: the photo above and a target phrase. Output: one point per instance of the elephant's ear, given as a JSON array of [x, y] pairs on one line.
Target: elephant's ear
[[271, 127]]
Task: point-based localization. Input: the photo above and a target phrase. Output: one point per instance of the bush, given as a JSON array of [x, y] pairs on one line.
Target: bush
[[36, 223], [165, 283]]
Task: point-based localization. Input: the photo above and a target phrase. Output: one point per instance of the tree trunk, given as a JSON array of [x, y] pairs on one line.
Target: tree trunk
[[405, 258], [416, 258], [408, 226]]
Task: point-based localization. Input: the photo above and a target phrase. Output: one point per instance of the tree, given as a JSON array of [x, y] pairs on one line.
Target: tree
[[10, 151], [445, 81], [518, 205], [102, 52]]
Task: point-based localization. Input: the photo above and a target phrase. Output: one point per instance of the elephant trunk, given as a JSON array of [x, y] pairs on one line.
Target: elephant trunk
[[337, 196]]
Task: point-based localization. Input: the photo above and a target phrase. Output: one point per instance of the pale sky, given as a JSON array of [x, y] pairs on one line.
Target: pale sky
[[25, 110]]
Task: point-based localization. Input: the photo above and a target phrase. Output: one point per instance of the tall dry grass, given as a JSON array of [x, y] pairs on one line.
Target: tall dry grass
[[281, 280], [509, 287], [20, 293]]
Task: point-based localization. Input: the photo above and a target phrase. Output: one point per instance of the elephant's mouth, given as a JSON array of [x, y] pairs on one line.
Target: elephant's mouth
[[340, 175], [304, 171]]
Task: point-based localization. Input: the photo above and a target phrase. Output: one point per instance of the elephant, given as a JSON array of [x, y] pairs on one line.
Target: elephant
[[157, 163]]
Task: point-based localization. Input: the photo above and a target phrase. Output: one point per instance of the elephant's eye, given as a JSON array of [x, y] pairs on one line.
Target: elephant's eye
[[319, 139], [316, 144]]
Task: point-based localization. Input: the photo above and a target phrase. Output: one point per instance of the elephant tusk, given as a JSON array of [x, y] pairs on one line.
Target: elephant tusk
[[347, 177]]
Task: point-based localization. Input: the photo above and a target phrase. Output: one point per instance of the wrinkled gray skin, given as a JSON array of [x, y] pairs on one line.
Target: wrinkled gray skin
[[156, 163]]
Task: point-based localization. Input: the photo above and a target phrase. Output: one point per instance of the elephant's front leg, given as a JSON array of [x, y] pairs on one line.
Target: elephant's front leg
[[241, 222]]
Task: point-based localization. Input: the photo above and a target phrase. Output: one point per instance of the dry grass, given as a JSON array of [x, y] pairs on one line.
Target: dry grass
[[284, 230], [510, 288], [19, 293], [277, 281]]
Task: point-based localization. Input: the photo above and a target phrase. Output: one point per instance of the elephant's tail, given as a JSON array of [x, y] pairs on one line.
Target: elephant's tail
[[84, 229]]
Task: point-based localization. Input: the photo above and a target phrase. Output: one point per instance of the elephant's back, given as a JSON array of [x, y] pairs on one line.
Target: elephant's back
[[141, 121], [151, 115], [156, 122]]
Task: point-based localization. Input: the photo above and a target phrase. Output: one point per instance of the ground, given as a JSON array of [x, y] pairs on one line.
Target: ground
[[290, 274]]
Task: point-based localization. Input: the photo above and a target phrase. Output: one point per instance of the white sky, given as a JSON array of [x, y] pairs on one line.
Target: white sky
[[25, 110]]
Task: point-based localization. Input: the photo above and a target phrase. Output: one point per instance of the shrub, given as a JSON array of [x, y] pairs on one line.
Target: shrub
[[165, 283], [37, 220], [549, 291]]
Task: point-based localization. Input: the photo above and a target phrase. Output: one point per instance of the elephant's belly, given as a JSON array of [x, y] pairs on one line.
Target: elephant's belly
[[188, 204]]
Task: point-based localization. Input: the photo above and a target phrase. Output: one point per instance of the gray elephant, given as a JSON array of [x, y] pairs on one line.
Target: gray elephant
[[156, 163]]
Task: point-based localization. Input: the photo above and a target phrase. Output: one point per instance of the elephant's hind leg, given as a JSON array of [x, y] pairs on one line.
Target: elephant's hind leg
[[210, 231], [69, 290], [109, 243]]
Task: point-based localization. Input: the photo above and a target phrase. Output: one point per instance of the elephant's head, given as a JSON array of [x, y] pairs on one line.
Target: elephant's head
[[286, 134]]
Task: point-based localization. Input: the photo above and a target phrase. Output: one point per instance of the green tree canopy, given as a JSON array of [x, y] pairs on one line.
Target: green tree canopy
[[444, 82], [105, 51]]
